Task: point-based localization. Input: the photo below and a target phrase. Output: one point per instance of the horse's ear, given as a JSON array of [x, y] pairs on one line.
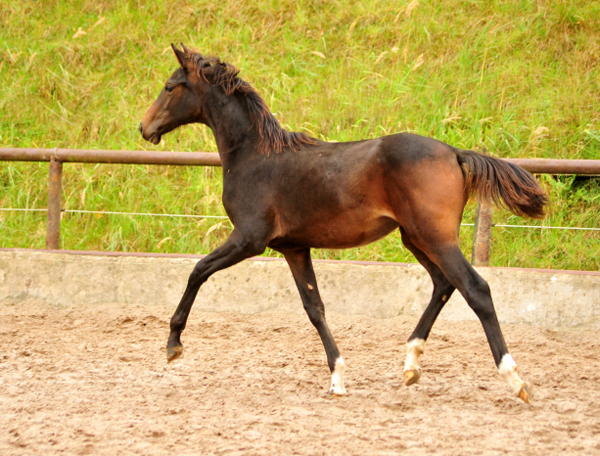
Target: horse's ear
[[186, 50], [181, 56]]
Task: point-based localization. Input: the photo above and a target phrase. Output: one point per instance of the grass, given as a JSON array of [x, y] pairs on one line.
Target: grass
[[518, 78]]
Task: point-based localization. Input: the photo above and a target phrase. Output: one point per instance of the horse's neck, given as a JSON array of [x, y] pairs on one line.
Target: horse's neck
[[235, 133]]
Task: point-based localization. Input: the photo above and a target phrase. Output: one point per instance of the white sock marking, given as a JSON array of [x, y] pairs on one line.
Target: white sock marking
[[337, 378], [414, 349], [508, 370]]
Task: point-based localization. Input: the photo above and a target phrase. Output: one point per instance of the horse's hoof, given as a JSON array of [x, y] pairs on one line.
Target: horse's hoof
[[526, 393], [337, 392], [174, 352], [411, 377]]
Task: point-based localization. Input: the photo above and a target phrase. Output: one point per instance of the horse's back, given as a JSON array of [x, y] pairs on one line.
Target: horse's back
[[409, 149]]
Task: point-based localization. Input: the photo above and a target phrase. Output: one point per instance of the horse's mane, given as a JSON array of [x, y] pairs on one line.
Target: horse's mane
[[273, 137]]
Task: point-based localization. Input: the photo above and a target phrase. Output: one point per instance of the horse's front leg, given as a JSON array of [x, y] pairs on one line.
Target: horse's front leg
[[235, 249], [304, 276]]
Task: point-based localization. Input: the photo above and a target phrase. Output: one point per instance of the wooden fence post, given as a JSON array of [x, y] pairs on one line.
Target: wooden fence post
[[54, 204], [482, 233]]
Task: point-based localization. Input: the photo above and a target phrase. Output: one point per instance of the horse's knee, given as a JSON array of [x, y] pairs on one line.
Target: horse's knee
[[198, 276]]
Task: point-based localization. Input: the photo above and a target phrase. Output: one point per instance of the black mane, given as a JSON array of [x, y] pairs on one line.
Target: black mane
[[273, 137]]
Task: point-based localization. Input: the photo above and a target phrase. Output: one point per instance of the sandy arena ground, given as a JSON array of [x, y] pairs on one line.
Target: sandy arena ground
[[94, 380]]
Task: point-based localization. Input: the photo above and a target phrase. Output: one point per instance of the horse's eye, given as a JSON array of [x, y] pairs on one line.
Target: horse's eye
[[169, 88]]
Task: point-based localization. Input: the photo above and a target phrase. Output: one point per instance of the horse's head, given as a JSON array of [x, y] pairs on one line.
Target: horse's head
[[199, 91], [179, 101]]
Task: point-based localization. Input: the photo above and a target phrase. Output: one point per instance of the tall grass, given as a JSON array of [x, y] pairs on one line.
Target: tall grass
[[519, 78]]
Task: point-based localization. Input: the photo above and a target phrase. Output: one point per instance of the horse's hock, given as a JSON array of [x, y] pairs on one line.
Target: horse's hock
[[382, 290]]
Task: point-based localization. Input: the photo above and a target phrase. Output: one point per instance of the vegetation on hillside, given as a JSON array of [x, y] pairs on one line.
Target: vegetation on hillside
[[518, 78]]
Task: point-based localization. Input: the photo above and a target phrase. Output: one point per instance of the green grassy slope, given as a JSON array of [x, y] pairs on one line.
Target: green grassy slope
[[519, 78]]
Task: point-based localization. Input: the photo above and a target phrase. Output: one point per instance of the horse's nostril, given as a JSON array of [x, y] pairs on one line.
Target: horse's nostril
[[141, 128]]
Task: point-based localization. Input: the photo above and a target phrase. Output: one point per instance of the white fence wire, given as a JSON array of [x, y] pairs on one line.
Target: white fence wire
[[78, 211]]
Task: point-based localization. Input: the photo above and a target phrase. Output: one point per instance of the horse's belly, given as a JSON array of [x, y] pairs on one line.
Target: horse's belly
[[336, 233]]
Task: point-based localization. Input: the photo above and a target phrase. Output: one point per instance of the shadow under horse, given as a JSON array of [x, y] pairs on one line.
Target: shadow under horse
[[291, 192]]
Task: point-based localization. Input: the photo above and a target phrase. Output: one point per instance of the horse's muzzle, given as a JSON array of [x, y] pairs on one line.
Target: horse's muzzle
[[154, 138]]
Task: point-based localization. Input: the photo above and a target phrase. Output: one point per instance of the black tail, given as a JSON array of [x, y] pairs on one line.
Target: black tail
[[505, 184]]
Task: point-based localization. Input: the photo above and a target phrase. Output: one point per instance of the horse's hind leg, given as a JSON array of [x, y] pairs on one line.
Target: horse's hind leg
[[304, 276], [442, 290], [235, 249], [476, 292]]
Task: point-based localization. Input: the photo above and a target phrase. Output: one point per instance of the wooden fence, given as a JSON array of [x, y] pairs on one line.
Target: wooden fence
[[483, 221]]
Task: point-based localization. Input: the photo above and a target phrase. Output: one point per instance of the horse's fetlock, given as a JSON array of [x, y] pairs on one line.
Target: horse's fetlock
[[177, 324]]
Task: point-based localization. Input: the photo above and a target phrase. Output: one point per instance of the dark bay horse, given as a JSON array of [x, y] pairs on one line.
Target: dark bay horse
[[291, 192]]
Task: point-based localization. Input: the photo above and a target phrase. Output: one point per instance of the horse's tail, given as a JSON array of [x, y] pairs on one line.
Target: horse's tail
[[504, 183]]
